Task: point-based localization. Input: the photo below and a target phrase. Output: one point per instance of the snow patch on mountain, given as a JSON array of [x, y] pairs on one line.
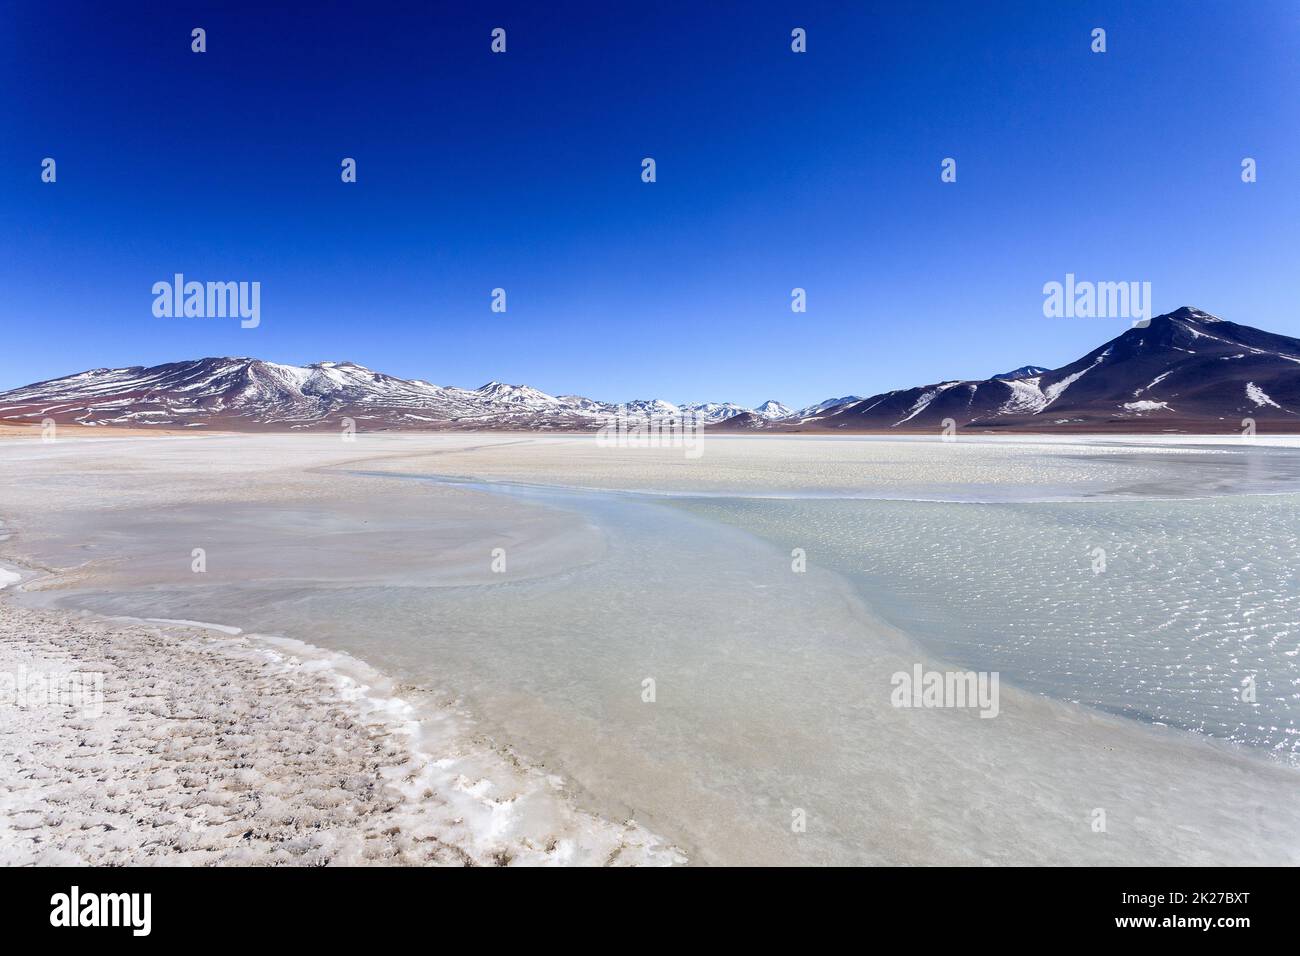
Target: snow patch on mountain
[[499, 393], [1026, 397], [1259, 396], [1025, 371], [924, 401], [1057, 389], [772, 410], [711, 412], [1153, 383], [814, 411]]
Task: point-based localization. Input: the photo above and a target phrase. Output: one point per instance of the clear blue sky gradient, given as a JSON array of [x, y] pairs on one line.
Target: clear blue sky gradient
[[775, 170]]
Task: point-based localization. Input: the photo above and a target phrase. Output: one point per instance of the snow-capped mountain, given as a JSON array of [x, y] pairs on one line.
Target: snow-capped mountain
[[772, 410], [712, 412], [246, 393], [517, 396], [1185, 371]]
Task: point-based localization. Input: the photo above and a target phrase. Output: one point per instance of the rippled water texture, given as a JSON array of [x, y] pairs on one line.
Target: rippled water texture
[[1161, 610]]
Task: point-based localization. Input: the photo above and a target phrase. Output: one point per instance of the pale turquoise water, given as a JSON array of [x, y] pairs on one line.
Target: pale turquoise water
[[1165, 611]]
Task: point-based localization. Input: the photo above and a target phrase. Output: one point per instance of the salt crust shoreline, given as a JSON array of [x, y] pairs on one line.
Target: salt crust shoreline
[[226, 749]]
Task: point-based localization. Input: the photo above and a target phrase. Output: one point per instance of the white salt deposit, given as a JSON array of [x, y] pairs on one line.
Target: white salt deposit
[[237, 751]]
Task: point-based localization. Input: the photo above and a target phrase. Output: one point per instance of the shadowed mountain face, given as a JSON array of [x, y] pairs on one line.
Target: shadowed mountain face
[[1185, 371]]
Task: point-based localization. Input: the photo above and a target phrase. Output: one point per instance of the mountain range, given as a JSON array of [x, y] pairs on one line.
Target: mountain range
[[1185, 371]]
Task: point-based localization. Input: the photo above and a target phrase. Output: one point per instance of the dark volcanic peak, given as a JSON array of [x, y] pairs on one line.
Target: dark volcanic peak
[[1025, 371], [1190, 312], [1186, 371]]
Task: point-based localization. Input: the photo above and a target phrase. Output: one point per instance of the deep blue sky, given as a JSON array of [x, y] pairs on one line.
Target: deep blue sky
[[775, 170]]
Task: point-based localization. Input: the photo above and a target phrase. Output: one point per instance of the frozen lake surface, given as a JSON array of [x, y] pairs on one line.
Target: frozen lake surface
[[1121, 691]]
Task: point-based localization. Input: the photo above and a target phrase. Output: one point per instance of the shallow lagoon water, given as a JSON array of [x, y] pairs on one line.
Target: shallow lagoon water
[[1172, 612], [772, 688]]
